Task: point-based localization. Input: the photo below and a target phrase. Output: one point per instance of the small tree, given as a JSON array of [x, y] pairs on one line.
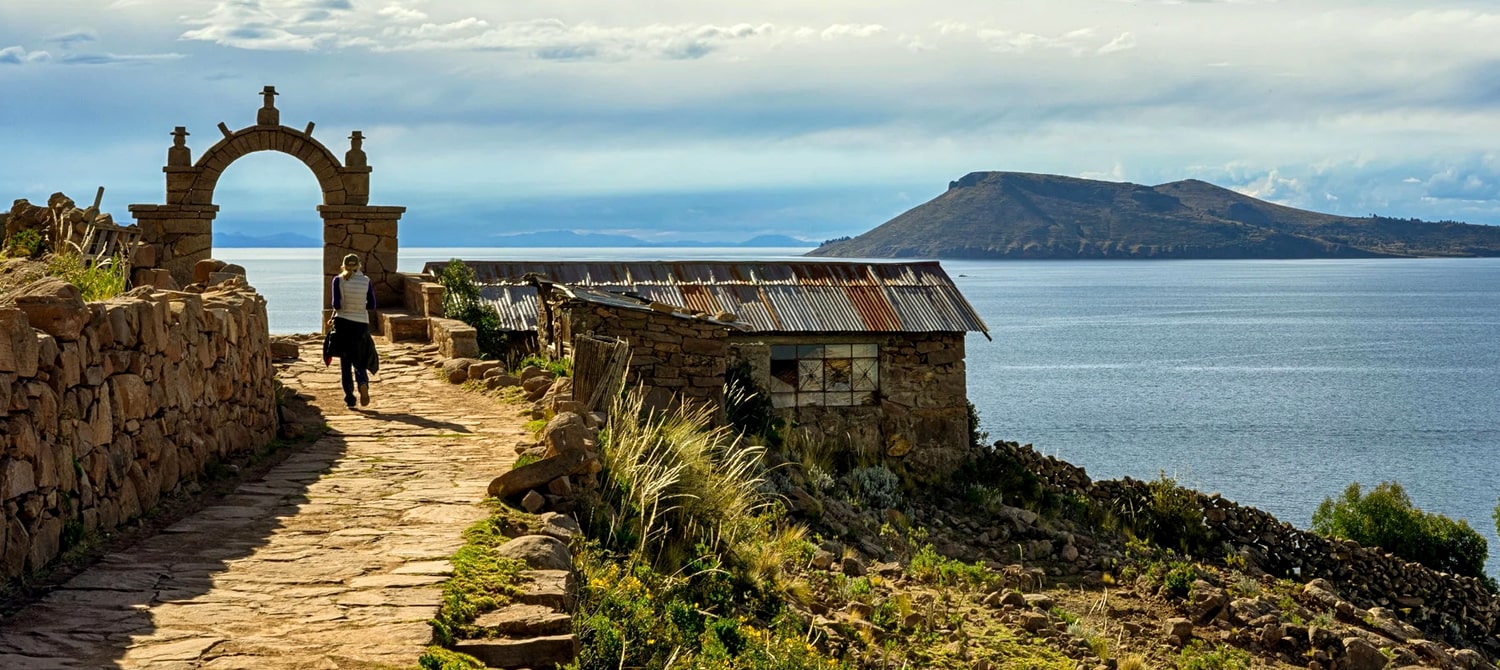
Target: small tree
[[1385, 518], [462, 301]]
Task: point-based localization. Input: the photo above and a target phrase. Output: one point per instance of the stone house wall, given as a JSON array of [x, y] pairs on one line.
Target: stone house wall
[[108, 405], [916, 422], [678, 360]]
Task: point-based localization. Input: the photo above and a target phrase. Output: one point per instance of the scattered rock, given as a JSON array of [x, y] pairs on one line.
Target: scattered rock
[[852, 566], [540, 552], [1179, 628], [533, 502], [1360, 654]]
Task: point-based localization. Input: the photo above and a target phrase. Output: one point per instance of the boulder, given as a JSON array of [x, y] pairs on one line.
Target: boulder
[[53, 306], [534, 475], [560, 526], [539, 552], [203, 269], [1360, 654], [1180, 628], [456, 370], [533, 502], [565, 434]]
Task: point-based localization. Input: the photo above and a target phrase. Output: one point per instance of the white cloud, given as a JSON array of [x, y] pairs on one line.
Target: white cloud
[[17, 55], [396, 12], [1121, 43], [1074, 41], [837, 31]]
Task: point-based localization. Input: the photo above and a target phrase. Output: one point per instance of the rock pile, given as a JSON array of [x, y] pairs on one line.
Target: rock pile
[[1458, 610], [111, 404]]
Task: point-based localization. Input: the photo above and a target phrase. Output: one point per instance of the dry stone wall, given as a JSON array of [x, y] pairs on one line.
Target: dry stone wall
[[1444, 606], [678, 360], [108, 405]]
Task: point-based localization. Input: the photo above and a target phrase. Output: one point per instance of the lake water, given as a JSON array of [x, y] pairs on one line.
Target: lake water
[[1276, 383]]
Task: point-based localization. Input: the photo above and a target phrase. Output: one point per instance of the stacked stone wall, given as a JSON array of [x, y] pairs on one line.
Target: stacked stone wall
[[1459, 609], [108, 405], [679, 361], [919, 425]]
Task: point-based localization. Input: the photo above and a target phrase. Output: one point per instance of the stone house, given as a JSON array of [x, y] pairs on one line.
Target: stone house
[[865, 356]]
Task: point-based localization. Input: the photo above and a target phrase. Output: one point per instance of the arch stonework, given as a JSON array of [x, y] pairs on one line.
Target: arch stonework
[[181, 231]]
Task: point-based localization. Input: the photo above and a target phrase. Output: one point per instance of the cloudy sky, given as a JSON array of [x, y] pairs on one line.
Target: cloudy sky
[[684, 119]]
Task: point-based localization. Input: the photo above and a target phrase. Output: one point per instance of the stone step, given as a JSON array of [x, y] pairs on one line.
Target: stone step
[[552, 589], [400, 326], [536, 652], [522, 620]]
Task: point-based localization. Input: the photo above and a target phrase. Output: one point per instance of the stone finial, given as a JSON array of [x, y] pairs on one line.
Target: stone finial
[[356, 154], [179, 155], [268, 114]]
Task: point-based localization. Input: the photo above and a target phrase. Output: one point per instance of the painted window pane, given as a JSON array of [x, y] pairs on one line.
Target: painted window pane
[[864, 375], [809, 375], [819, 375], [837, 374], [783, 375]]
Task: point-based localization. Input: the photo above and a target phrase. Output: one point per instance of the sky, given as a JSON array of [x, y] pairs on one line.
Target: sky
[[678, 119]]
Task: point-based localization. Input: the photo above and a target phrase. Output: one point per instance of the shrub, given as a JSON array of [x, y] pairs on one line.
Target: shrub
[[97, 281], [1385, 517], [1197, 656], [462, 301], [24, 244], [876, 487]]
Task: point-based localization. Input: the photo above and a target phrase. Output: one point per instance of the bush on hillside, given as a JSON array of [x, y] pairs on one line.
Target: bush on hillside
[[1384, 517]]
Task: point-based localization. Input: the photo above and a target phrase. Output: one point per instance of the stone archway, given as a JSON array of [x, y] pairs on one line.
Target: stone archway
[[182, 230]]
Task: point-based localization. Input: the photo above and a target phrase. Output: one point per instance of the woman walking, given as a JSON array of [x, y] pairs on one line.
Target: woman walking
[[349, 338]]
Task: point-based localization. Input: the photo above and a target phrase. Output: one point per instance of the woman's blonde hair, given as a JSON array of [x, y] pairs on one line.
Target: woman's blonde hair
[[348, 272]]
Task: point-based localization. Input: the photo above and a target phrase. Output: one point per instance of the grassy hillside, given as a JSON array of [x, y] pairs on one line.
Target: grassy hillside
[[1018, 215]]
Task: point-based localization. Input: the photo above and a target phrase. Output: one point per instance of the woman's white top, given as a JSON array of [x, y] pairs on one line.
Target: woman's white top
[[353, 298]]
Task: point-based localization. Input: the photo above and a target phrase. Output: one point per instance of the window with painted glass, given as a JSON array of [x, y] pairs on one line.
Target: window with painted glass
[[824, 375]]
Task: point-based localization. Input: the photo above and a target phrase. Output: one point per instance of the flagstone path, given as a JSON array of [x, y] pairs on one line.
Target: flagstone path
[[332, 560]]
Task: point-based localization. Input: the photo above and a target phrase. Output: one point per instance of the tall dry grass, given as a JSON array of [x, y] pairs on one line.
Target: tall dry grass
[[678, 485]]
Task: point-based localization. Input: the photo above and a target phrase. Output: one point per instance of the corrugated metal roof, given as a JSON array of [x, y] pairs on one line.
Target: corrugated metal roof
[[799, 296]]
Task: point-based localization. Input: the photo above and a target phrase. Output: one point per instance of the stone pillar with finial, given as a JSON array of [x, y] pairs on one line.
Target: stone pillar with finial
[[356, 172], [181, 174], [268, 115]]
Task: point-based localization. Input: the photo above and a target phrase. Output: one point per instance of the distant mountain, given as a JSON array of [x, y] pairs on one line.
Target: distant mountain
[[1020, 215], [276, 241], [568, 238]]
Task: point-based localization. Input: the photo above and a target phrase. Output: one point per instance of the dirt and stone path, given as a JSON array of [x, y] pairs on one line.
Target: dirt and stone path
[[331, 560]]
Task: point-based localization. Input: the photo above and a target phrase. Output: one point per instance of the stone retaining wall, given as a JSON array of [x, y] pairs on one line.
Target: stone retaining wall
[[1458, 609], [108, 405], [677, 359]]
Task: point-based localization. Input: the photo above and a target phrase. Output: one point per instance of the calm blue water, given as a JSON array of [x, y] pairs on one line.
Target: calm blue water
[[1276, 383]]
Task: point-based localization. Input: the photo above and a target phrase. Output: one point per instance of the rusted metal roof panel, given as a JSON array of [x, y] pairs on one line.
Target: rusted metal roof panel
[[828, 296]]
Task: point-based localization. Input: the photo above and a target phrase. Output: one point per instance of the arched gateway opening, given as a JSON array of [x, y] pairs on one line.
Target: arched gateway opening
[[182, 230]]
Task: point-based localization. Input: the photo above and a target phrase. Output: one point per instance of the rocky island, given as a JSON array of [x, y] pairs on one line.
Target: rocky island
[[1012, 215]]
